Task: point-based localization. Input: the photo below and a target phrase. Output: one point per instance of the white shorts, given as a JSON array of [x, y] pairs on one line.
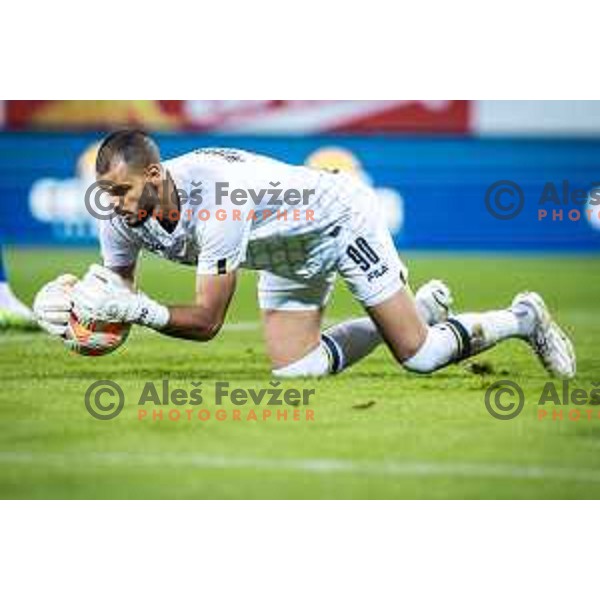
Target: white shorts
[[366, 259], [280, 293]]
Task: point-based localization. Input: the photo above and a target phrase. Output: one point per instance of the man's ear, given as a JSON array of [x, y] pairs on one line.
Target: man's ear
[[154, 173]]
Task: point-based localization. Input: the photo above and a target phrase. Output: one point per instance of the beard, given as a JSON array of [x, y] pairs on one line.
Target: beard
[[149, 201]]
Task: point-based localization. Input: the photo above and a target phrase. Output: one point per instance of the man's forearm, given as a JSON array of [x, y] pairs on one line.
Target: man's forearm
[[200, 322], [192, 323]]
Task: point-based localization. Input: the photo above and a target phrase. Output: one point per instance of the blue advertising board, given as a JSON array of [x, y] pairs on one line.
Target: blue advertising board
[[439, 194]]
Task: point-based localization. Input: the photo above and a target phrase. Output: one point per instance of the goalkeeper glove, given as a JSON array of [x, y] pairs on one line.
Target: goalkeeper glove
[[102, 296], [52, 305]]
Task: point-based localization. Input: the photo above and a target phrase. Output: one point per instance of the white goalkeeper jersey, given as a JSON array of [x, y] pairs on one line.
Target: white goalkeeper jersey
[[240, 209]]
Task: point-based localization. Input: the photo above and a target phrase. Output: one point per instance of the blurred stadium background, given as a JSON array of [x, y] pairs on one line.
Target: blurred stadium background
[[431, 160], [431, 163]]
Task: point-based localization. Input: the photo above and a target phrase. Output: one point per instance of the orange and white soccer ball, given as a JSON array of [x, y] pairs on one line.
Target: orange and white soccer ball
[[95, 338]]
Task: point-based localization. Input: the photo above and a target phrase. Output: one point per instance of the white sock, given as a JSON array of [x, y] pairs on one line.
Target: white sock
[[341, 346], [466, 335], [5, 293], [9, 301], [315, 364], [351, 341], [488, 328], [440, 348]]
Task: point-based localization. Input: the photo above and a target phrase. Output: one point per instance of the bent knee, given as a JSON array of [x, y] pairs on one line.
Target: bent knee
[[433, 354], [315, 364], [420, 363]]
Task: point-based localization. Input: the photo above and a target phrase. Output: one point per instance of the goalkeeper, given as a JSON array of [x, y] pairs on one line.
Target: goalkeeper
[[298, 261]]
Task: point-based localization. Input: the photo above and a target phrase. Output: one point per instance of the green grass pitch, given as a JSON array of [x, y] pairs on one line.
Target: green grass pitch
[[378, 432]]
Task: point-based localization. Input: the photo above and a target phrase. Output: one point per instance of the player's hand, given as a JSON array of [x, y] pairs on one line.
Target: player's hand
[[103, 296], [52, 305]]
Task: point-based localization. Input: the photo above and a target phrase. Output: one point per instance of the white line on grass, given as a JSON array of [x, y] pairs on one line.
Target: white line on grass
[[316, 465]]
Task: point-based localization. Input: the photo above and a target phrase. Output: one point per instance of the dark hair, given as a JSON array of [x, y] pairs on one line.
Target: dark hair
[[133, 146]]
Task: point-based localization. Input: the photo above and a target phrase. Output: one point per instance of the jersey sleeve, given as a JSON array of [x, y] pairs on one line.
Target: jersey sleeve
[[117, 249], [223, 243]]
